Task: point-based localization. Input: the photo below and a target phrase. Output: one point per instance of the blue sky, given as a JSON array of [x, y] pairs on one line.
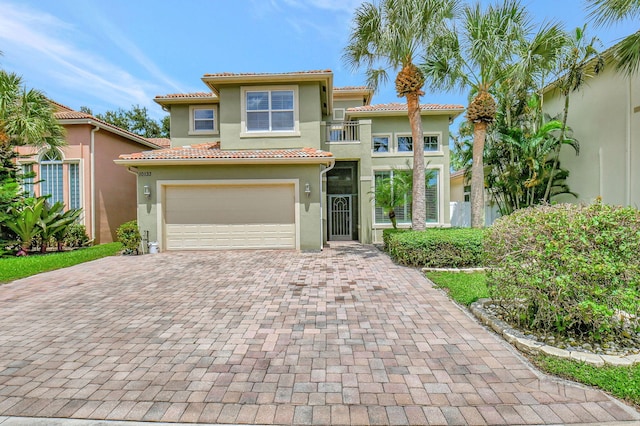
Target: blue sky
[[115, 53]]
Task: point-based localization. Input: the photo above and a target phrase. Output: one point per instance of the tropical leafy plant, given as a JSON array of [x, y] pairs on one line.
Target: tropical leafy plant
[[390, 36], [55, 222], [25, 221]]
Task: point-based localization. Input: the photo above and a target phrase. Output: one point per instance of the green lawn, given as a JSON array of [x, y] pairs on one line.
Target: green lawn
[[621, 382], [462, 287], [13, 268]]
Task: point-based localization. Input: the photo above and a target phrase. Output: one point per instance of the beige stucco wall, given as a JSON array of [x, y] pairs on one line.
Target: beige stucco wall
[[309, 207], [456, 189], [605, 118]]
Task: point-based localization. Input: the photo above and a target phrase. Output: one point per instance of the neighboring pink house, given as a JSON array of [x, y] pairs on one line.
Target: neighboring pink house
[[83, 174]]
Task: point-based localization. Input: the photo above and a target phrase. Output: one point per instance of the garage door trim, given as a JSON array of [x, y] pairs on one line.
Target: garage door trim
[[161, 186]]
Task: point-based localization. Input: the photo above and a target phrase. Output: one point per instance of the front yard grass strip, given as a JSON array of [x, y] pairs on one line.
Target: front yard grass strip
[[621, 382], [13, 268], [464, 288]]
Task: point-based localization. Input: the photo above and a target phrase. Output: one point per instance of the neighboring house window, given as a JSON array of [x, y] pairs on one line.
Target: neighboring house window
[[467, 193], [381, 143], [74, 186], [403, 213], [51, 176], [204, 119], [27, 181], [272, 109], [405, 143], [338, 114]]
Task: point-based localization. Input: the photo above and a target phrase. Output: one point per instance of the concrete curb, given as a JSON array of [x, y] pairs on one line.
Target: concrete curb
[[533, 347]]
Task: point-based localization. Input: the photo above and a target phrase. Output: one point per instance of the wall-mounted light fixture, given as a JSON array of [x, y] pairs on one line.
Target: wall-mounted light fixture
[[146, 191], [307, 189]]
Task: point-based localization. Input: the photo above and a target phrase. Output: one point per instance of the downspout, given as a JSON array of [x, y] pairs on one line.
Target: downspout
[[145, 240], [322, 173], [93, 182]]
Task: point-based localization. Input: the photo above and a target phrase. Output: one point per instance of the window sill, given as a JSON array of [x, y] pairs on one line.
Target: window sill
[[407, 154], [269, 134], [202, 133]]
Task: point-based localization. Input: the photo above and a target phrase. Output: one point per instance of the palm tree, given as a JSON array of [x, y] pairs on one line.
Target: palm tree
[[478, 57], [608, 12], [578, 62], [26, 116], [390, 36]]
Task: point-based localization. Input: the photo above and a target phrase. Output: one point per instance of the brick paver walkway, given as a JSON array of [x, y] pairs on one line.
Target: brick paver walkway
[[343, 336]]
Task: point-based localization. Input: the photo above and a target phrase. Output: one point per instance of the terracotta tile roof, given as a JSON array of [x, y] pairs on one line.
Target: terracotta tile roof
[[212, 150], [251, 74], [186, 95], [79, 115], [403, 107], [59, 107], [163, 142], [70, 115]]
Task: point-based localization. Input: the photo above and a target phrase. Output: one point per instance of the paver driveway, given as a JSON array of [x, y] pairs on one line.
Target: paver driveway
[[342, 336]]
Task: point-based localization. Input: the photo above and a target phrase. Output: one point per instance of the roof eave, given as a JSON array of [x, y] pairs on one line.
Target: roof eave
[[453, 112], [92, 122], [222, 161], [214, 81], [164, 101]]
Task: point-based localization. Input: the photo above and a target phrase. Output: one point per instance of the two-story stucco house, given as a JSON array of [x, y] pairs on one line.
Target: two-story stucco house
[[281, 161], [82, 173]]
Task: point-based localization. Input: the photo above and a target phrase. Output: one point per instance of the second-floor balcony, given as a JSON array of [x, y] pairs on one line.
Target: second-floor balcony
[[342, 131]]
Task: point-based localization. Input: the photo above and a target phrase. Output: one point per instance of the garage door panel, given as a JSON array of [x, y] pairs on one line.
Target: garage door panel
[[229, 217]]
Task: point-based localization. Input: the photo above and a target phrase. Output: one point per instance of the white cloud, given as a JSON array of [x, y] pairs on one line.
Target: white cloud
[[47, 45]]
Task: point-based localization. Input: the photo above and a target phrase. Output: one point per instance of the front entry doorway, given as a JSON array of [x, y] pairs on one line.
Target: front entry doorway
[[342, 201]]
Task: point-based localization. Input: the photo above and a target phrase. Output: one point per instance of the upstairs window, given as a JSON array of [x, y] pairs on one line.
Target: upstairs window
[[269, 110], [405, 143], [204, 119]]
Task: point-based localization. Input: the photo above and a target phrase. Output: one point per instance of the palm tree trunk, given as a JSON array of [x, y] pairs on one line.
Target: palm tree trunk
[[565, 114], [477, 175], [418, 207]]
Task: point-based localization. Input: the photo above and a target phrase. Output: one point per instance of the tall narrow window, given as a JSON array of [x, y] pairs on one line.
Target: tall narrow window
[[74, 186], [51, 175], [27, 180]]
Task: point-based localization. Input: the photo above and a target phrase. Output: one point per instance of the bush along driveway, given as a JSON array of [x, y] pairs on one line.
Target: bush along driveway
[[343, 336]]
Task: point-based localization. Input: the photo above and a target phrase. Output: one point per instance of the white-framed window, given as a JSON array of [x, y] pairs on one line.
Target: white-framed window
[[75, 201], [271, 110], [203, 120], [51, 178], [404, 143], [403, 212], [381, 143], [338, 114], [467, 192], [28, 180]]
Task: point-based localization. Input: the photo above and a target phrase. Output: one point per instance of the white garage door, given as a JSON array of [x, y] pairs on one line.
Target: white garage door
[[216, 217]]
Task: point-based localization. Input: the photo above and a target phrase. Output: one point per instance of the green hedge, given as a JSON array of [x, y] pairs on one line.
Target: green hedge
[[435, 247], [572, 269]]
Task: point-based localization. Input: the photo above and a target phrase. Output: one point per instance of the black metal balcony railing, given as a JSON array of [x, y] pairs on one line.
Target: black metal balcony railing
[[343, 131]]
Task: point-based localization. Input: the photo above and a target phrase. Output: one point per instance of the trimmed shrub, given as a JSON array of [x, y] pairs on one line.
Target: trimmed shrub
[[76, 236], [567, 269], [436, 247], [129, 235]]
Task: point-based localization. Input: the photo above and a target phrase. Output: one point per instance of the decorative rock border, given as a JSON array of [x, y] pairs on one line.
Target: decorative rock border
[[533, 347]]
